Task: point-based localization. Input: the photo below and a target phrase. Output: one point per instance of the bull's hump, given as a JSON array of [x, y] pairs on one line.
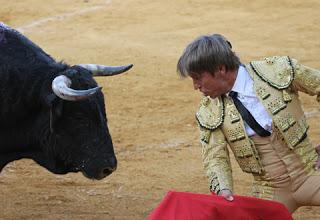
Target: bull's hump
[[4, 26]]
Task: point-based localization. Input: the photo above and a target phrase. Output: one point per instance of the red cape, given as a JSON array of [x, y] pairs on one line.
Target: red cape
[[192, 206]]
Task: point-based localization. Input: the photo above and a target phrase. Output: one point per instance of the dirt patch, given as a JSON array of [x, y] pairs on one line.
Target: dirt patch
[[150, 109]]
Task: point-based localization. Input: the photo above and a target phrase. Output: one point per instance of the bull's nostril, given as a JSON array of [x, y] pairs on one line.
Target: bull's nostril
[[107, 171]]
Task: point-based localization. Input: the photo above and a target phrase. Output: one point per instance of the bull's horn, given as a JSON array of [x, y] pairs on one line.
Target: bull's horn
[[100, 70], [61, 87]]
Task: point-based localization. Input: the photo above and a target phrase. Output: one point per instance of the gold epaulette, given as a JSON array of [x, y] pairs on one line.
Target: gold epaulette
[[277, 71], [210, 113]]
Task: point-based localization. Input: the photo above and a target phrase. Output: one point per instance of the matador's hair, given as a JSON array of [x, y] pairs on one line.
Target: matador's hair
[[205, 54]]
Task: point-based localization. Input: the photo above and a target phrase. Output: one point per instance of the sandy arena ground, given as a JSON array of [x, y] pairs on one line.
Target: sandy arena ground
[[150, 109]]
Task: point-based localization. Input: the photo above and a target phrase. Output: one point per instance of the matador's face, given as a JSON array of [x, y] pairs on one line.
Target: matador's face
[[213, 85]]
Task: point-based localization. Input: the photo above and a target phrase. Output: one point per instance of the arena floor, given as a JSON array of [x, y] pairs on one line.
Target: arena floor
[[150, 109]]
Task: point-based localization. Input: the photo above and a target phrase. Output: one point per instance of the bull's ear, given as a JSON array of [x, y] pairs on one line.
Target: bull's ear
[[55, 106], [50, 99], [54, 103]]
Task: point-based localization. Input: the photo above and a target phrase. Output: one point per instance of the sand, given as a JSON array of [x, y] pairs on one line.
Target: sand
[[150, 109]]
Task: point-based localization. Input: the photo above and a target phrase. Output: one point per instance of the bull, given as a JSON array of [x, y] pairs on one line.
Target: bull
[[52, 112]]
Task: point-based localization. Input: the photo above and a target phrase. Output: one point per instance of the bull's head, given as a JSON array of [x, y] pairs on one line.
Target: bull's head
[[56, 112], [80, 139]]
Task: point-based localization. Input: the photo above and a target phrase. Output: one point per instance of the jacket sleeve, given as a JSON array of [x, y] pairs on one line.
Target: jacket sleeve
[[216, 159], [306, 79]]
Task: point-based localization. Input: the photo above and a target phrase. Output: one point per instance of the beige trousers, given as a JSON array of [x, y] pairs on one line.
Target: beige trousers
[[286, 179]]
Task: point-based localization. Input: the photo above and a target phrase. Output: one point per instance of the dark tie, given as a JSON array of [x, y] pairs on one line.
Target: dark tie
[[247, 117]]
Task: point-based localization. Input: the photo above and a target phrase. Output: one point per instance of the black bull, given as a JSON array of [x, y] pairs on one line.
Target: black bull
[[51, 112]]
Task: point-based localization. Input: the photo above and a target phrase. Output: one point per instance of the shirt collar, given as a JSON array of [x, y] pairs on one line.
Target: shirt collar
[[242, 83]]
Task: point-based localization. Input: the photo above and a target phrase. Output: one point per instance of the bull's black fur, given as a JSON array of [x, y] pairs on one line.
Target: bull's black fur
[[63, 136]]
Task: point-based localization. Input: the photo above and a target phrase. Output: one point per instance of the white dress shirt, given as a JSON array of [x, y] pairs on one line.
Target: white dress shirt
[[246, 94]]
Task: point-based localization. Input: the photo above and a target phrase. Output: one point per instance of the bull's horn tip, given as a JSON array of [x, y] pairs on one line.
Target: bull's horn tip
[[130, 66]]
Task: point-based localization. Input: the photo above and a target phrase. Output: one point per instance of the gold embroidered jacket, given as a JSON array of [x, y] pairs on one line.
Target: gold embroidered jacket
[[276, 81]]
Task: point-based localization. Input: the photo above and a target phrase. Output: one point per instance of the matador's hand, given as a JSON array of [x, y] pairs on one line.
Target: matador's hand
[[227, 194], [318, 160]]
